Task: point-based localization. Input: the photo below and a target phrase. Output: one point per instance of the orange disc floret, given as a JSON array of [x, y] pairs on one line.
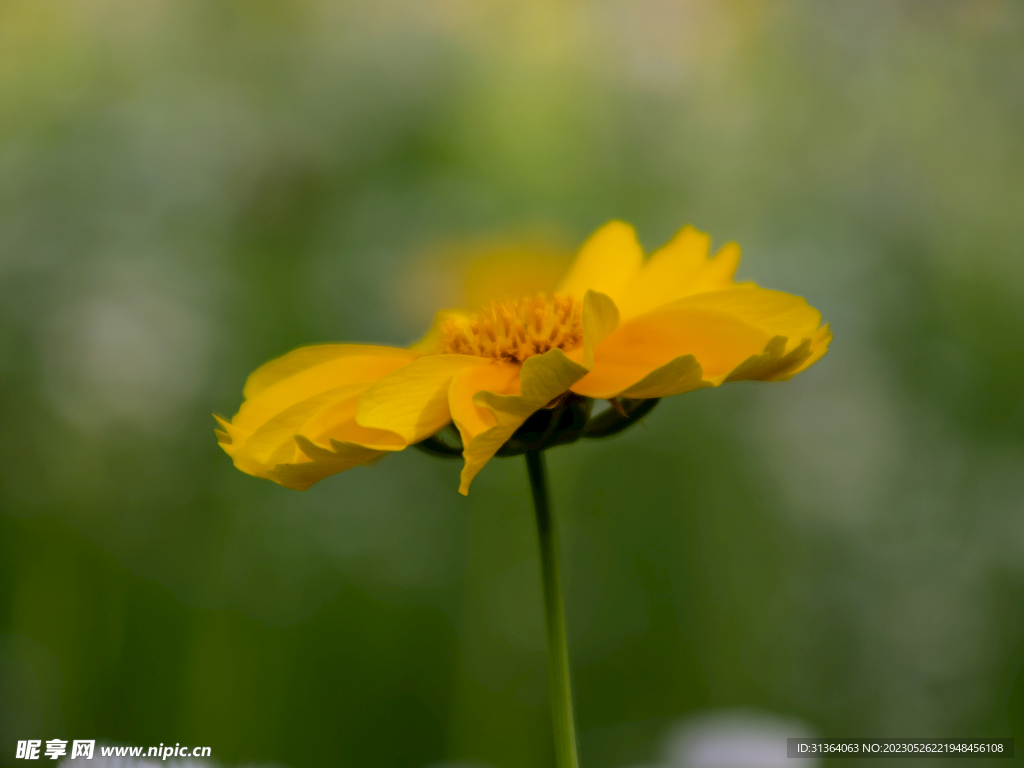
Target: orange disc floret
[[513, 330]]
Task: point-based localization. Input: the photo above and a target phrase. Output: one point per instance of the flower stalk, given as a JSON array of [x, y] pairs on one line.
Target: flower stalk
[[559, 683]]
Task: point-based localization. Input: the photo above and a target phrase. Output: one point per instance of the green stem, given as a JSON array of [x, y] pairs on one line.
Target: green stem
[[559, 685]]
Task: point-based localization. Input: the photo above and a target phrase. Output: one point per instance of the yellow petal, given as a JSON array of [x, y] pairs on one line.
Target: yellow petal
[[667, 272], [311, 385], [719, 271], [336, 421], [541, 380], [311, 371], [680, 268], [470, 418], [232, 441], [336, 364], [818, 347], [600, 318], [317, 463], [717, 340], [774, 312], [274, 441], [743, 332], [682, 374], [606, 263], [277, 447], [412, 401]]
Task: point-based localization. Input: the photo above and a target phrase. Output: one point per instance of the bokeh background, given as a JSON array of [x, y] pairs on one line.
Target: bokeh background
[[188, 189]]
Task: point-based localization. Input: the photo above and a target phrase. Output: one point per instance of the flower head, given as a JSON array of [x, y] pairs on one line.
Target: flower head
[[616, 326]]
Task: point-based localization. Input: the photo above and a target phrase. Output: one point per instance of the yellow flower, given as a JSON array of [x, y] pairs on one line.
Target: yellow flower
[[616, 326]]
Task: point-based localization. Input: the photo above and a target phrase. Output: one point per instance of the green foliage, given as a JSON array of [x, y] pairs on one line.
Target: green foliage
[[189, 189]]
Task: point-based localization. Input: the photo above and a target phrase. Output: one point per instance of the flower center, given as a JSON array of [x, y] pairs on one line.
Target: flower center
[[513, 330]]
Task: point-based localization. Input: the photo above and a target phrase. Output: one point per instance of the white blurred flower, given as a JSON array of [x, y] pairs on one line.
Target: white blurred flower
[[134, 762], [733, 739]]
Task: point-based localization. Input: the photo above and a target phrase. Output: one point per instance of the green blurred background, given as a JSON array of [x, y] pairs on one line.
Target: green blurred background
[[188, 189]]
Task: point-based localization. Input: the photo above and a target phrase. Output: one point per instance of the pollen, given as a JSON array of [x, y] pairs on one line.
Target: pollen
[[513, 330]]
